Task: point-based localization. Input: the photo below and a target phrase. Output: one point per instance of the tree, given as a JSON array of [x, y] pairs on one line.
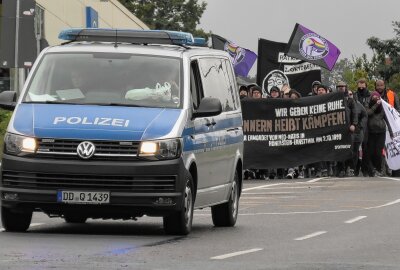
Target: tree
[[387, 54], [331, 78], [177, 15]]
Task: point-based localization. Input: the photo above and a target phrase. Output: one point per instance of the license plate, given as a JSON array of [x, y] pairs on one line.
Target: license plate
[[83, 197]]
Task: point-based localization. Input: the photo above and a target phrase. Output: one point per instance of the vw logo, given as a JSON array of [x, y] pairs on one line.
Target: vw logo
[[85, 150]]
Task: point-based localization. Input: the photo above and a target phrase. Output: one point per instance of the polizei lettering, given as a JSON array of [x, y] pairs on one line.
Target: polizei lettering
[[99, 121]]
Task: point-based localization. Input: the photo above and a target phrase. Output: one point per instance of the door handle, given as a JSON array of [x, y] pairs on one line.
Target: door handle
[[232, 129]]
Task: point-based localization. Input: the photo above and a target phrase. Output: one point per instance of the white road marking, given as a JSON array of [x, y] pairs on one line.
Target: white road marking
[[229, 255], [384, 205], [32, 225], [295, 213], [391, 178], [310, 235], [316, 179], [258, 187], [323, 212], [355, 219]]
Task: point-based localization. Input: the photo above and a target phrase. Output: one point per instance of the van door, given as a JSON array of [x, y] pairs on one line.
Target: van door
[[234, 140], [215, 82], [202, 132]]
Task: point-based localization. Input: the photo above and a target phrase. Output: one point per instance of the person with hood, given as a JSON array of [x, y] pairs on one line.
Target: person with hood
[[359, 133], [362, 95], [376, 134], [243, 92], [256, 173], [314, 87], [346, 168], [274, 92]]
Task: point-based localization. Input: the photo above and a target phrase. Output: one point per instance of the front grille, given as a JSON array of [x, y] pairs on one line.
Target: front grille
[[105, 150], [28, 180]]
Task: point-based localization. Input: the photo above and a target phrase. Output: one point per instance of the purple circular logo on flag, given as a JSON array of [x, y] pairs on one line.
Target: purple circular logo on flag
[[236, 53], [313, 46]]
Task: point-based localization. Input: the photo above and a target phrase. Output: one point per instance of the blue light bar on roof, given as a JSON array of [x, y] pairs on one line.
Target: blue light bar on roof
[[198, 41], [125, 35]]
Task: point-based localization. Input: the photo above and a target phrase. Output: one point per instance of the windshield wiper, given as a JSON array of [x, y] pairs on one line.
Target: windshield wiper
[[115, 104], [53, 102]]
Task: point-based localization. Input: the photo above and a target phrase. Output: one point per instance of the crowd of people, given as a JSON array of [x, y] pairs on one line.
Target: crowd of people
[[367, 125]]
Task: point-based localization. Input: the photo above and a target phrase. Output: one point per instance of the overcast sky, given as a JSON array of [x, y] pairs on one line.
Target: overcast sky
[[346, 23]]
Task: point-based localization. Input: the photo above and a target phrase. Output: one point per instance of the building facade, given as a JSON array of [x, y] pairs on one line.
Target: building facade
[[62, 14], [28, 26]]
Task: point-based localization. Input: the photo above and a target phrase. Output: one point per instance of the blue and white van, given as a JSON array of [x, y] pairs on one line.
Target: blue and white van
[[120, 124]]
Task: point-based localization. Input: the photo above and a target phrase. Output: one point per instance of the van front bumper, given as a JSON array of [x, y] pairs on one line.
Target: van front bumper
[[136, 187]]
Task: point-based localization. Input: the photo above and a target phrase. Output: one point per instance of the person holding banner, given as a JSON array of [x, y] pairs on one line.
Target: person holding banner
[[256, 92], [257, 173], [294, 94], [359, 133], [243, 92], [392, 98], [274, 92], [346, 168], [363, 96], [314, 87], [321, 168], [376, 134]]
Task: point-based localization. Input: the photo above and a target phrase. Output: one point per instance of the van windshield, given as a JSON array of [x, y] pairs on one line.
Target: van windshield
[[107, 79]]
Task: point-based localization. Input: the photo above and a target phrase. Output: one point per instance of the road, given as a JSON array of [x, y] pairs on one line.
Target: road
[[324, 223]]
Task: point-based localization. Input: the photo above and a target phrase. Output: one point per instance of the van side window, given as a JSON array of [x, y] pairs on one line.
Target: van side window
[[195, 84], [232, 84], [216, 82]]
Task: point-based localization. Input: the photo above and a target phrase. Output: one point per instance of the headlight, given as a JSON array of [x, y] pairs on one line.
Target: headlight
[[162, 149], [16, 144]]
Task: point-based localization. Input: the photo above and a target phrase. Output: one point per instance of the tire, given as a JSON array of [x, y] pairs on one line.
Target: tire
[[180, 223], [225, 215], [75, 219], [15, 221]]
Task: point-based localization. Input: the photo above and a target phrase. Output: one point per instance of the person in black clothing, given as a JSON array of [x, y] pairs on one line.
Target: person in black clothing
[[344, 167], [358, 134], [314, 87], [243, 92], [376, 134], [363, 96]]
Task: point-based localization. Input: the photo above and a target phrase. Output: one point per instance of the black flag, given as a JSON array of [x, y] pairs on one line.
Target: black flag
[[276, 68]]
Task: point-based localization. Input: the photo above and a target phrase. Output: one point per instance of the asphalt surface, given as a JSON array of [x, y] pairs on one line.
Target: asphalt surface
[[328, 223]]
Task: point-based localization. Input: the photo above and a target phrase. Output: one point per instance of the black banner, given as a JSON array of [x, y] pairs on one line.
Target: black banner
[[281, 133], [274, 67]]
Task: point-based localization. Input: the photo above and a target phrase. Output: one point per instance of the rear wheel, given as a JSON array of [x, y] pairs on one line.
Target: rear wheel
[[14, 221], [74, 219], [225, 215], [180, 223]]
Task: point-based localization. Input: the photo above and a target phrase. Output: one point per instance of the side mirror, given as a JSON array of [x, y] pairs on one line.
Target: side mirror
[[208, 107], [8, 100]]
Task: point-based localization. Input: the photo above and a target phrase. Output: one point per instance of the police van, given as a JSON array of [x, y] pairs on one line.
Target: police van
[[118, 124]]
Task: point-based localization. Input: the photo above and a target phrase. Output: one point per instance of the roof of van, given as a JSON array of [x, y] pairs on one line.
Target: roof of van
[[109, 47]]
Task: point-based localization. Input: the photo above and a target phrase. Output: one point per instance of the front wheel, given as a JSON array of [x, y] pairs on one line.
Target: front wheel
[[15, 221], [225, 215], [180, 223]]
